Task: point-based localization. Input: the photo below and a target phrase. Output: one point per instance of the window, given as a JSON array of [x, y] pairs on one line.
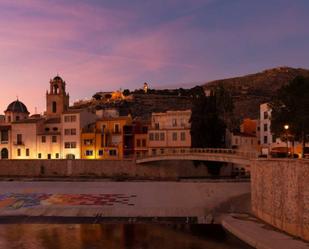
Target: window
[[103, 128], [69, 132], [100, 153], [39, 155], [274, 138], [117, 128], [70, 118], [48, 156], [17, 118], [47, 129], [19, 139], [4, 136], [55, 128], [157, 136], [265, 140], [174, 136], [162, 151], [57, 155], [174, 122], [89, 152], [88, 142], [236, 141], [265, 115], [54, 107], [69, 145], [162, 136], [182, 136], [157, 126], [138, 143], [265, 127], [144, 142], [43, 139], [27, 152], [151, 136], [18, 152], [112, 152], [54, 139]]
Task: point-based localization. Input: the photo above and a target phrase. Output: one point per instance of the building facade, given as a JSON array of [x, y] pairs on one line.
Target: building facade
[[169, 130]]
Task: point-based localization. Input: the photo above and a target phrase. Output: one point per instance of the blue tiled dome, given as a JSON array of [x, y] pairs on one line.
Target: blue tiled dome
[[17, 106]]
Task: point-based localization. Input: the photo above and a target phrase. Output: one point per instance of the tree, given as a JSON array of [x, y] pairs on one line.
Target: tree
[[209, 117], [291, 106], [126, 92]]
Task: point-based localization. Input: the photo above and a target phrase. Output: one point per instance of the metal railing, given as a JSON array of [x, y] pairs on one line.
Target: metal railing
[[199, 151]]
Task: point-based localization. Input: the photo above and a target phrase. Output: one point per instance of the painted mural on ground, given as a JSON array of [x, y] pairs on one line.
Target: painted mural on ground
[[28, 200]]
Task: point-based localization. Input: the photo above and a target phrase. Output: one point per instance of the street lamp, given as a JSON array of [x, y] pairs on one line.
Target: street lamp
[[286, 127]]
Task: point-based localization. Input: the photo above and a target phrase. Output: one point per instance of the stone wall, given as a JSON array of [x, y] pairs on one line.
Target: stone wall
[[100, 168], [280, 194]]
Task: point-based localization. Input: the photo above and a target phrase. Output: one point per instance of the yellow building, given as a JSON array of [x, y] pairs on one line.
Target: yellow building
[[105, 139]]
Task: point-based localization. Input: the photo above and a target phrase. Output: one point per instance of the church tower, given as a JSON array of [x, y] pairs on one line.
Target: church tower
[[57, 100]]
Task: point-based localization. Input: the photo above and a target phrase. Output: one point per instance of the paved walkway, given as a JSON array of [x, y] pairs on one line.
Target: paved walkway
[[117, 199], [259, 235]]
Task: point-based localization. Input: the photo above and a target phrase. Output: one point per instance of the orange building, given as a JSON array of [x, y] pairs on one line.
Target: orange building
[[106, 138]]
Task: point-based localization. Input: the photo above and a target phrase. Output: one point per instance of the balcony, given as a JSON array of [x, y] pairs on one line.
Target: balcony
[[4, 142], [19, 143]]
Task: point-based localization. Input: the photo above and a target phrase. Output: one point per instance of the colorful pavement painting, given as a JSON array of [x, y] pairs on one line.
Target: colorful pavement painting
[[28, 200]]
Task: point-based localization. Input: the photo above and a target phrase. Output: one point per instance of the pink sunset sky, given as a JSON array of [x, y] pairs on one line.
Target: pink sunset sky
[[103, 45]]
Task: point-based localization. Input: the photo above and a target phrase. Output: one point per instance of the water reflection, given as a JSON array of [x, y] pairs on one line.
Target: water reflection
[[111, 236]]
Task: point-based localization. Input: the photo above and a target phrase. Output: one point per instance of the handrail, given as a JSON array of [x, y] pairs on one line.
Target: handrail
[[200, 151]]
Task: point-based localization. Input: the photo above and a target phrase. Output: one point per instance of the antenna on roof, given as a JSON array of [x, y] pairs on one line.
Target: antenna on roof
[[17, 97], [35, 110]]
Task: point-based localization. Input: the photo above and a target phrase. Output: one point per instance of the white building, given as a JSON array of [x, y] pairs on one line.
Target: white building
[[72, 123], [169, 130]]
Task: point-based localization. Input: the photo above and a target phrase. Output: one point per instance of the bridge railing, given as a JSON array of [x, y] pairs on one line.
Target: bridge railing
[[198, 151]]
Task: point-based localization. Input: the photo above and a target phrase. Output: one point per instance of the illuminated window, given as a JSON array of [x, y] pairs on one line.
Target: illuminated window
[[18, 152], [57, 155], [100, 152], [27, 152], [89, 153], [39, 155]]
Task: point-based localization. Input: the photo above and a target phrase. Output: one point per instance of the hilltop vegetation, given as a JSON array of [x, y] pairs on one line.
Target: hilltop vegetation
[[247, 92], [251, 90]]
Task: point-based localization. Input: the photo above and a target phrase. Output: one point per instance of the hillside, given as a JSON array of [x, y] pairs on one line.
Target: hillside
[[251, 90], [248, 93]]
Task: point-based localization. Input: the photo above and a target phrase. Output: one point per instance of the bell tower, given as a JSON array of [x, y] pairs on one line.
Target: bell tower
[[57, 100]]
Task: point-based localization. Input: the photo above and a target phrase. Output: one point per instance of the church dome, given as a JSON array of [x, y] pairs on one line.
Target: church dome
[[17, 106], [57, 78]]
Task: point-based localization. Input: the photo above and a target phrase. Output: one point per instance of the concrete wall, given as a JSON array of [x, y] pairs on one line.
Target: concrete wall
[[280, 194], [100, 168]]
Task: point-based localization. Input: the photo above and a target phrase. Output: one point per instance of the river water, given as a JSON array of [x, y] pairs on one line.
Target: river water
[[114, 236]]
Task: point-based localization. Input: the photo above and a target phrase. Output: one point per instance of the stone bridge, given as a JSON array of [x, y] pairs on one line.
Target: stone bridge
[[203, 154]]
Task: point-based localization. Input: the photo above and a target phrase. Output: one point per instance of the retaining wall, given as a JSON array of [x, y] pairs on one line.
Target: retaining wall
[[280, 194], [100, 168]]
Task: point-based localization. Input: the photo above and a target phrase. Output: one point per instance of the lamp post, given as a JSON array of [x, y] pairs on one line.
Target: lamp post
[[286, 127]]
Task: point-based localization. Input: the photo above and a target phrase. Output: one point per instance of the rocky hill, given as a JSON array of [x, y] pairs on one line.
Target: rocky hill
[[254, 89], [248, 93]]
